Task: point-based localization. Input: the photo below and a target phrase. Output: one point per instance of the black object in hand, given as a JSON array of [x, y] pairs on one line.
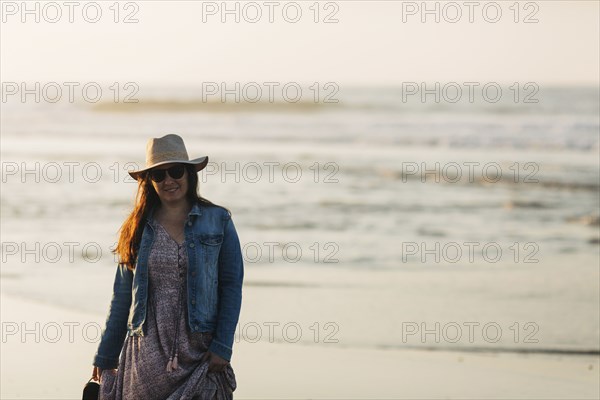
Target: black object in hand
[[91, 391]]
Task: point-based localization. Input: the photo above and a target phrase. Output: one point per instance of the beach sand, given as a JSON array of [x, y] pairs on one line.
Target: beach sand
[[51, 366]]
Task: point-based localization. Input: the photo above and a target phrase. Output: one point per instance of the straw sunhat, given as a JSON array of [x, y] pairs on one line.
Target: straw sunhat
[[168, 149]]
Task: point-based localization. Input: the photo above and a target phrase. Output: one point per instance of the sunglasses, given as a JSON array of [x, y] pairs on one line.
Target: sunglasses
[[175, 172]]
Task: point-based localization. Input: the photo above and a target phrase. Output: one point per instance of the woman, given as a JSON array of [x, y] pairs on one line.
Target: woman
[[177, 291]]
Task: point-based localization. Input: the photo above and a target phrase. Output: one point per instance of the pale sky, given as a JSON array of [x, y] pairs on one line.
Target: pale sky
[[369, 45]]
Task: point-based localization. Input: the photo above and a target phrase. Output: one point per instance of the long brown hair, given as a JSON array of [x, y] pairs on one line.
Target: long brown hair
[[146, 198]]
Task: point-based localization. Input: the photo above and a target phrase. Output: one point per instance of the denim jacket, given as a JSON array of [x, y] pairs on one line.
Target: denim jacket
[[214, 291]]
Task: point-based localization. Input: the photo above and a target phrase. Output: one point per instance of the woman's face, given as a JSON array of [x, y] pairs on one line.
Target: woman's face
[[169, 189]]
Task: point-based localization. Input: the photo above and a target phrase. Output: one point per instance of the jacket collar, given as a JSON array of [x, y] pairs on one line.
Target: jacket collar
[[196, 209]]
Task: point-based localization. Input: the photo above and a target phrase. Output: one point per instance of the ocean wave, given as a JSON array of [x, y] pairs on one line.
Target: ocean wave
[[549, 101], [589, 220], [198, 105], [465, 348], [490, 349], [437, 176], [525, 204]]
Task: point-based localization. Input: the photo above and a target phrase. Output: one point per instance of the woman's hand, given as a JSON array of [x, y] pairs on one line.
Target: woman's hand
[[96, 374], [216, 363]]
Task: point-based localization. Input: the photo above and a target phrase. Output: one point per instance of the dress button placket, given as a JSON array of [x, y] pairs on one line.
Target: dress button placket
[[173, 361], [180, 260]]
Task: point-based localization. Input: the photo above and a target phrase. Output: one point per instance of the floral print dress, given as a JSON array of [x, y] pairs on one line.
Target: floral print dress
[[145, 361]]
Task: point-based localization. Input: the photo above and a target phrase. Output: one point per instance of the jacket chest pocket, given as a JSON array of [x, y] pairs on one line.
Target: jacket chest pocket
[[210, 246]]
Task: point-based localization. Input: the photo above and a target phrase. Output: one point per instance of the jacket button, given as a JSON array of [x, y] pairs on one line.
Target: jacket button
[[191, 244], [196, 327], [193, 301], [189, 223]]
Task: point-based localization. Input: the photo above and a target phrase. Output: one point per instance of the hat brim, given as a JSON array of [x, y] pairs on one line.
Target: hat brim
[[199, 163]]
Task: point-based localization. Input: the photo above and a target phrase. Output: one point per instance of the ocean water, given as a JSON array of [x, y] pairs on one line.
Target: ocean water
[[390, 211]]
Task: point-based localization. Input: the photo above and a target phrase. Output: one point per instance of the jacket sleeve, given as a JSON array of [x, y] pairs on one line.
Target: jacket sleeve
[[231, 276], [111, 343]]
